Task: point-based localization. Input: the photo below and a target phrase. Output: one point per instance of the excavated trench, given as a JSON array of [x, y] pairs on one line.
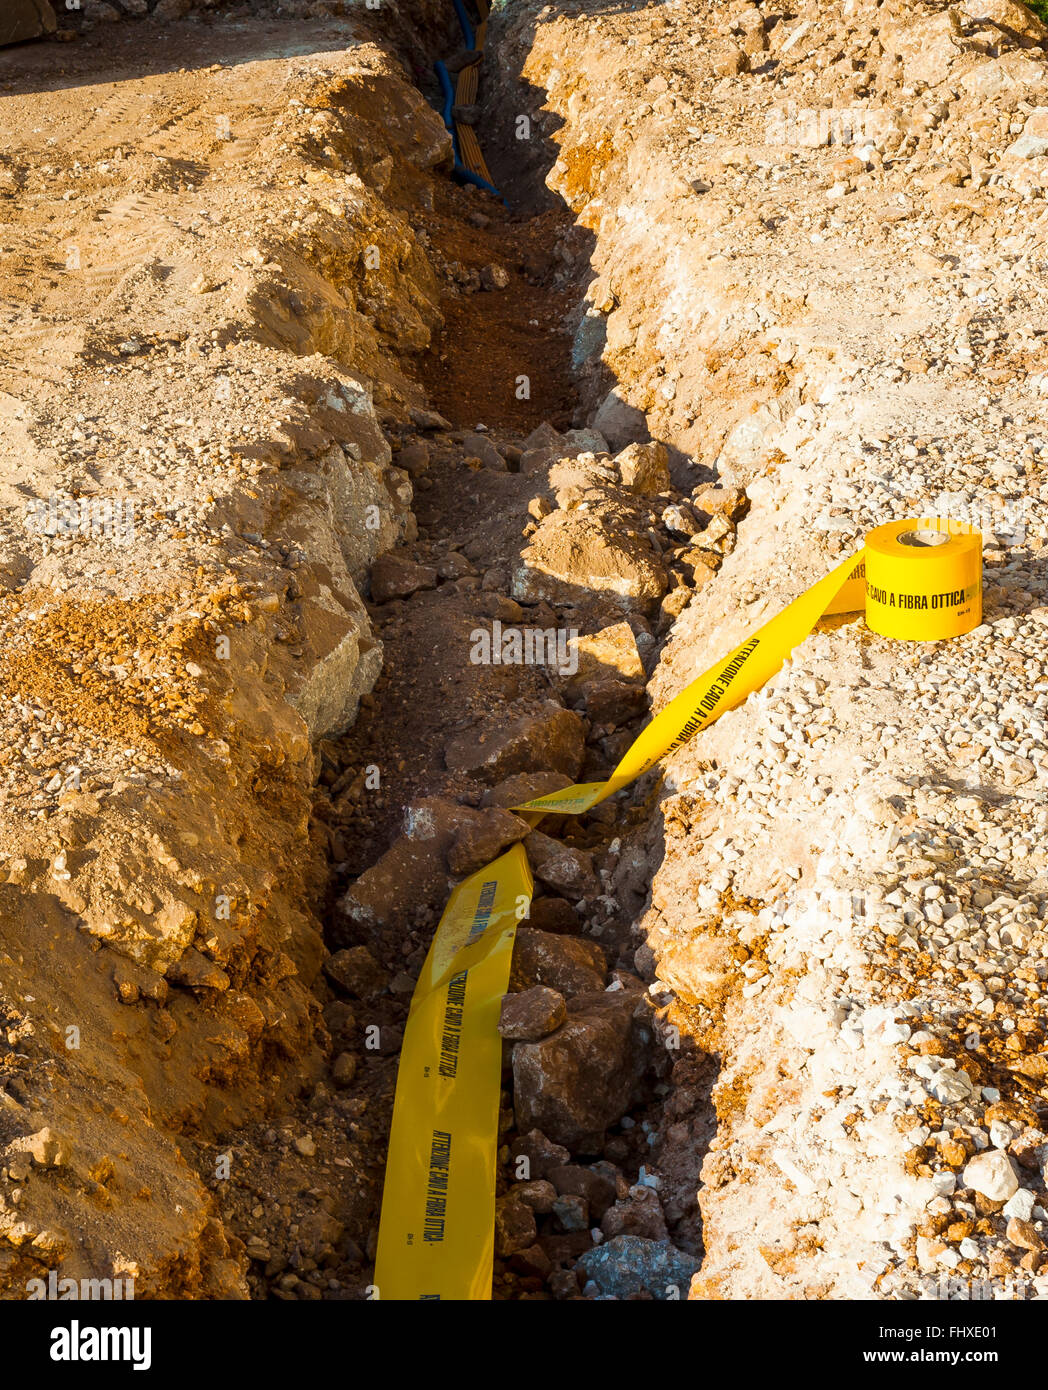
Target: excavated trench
[[411, 798], [317, 367]]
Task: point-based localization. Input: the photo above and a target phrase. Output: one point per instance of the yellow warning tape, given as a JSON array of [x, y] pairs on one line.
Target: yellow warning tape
[[436, 1234], [918, 580]]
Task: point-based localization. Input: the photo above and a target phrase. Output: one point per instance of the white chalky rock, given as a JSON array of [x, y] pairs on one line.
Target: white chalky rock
[[811, 1025], [993, 1174], [950, 1087], [1000, 1134], [796, 1175], [1021, 1205]]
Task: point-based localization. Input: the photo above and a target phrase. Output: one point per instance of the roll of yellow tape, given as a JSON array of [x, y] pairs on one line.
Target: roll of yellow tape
[[923, 580]]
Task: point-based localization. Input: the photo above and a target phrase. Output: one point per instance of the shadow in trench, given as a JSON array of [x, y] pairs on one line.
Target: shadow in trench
[[538, 330]]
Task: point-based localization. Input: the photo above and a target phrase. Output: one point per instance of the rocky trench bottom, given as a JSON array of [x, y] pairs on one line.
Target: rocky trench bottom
[[513, 668]]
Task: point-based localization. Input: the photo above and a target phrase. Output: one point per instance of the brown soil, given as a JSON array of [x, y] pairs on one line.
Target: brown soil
[[489, 341]]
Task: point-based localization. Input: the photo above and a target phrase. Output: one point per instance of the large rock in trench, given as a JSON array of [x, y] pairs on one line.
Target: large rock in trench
[[568, 964], [576, 556], [631, 1265], [442, 840], [551, 739], [620, 422], [583, 1078], [26, 19]]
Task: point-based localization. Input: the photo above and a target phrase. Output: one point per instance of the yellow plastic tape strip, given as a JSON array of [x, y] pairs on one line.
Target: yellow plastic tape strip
[[437, 1230], [919, 580]]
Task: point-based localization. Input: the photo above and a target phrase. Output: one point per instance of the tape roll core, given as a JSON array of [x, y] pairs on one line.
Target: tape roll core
[[925, 538]]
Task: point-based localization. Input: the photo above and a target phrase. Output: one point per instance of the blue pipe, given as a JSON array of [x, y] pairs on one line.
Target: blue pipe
[[447, 91], [466, 27], [468, 176], [463, 174]]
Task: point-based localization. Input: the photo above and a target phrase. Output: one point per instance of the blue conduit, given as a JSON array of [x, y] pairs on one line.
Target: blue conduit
[[465, 25], [463, 174]]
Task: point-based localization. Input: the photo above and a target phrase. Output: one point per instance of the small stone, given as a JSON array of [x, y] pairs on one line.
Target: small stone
[[413, 458], [303, 1144], [357, 972], [610, 654], [572, 1212], [630, 1265], [614, 702], [531, 1015], [133, 980], [453, 566], [562, 1284], [568, 870], [1023, 1234], [483, 839], [425, 419], [532, 1262], [598, 1188], [554, 915], [46, 1148], [992, 1174], [954, 1153], [538, 1194], [568, 965], [579, 556], [640, 1214], [644, 468], [524, 786], [1021, 1205], [731, 62], [552, 738], [515, 1227], [195, 971], [618, 421], [540, 1155], [344, 1069], [950, 1087], [394, 576], [583, 1077], [480, 446], [494, 277]]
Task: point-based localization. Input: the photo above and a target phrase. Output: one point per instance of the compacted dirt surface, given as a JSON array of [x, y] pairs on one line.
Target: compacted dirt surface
[[344, 507]]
